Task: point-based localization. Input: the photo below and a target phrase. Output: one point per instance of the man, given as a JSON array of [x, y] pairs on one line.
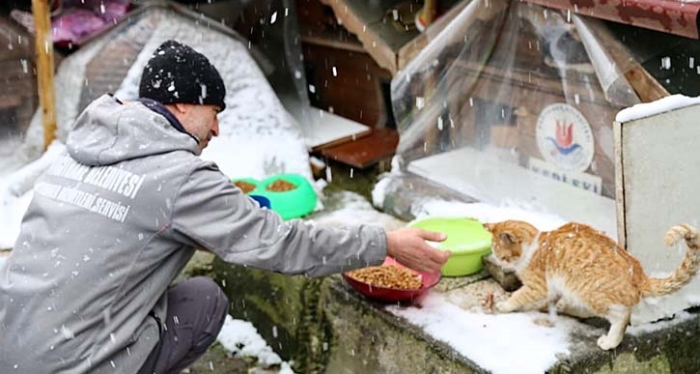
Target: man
[[114, 221]]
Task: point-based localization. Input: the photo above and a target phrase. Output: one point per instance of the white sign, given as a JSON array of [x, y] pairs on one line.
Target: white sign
[[583, 181], [564, 137]]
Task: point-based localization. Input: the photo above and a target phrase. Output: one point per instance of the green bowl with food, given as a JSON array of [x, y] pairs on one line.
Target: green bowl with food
[[290, 195], [467, 239]]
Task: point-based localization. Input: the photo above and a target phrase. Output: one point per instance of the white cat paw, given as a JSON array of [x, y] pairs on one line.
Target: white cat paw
[[606, 343], [504, 307]]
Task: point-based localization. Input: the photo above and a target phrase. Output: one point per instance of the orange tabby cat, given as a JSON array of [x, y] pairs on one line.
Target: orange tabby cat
[[585, 269]]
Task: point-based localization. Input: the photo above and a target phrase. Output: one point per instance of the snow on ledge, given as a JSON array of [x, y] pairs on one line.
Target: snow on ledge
[[666, 104]]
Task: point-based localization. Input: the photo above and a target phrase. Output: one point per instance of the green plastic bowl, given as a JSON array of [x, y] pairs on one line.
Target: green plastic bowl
[[290, 204], [467, 239], [293, 203]]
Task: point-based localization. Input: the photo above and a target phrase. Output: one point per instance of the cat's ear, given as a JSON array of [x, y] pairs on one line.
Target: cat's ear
[[507, 238], [489, 227]]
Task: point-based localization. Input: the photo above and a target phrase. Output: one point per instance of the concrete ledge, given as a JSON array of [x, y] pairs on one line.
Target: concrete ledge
[[284, 309], [670, 349], [324, 326], [368, 339]]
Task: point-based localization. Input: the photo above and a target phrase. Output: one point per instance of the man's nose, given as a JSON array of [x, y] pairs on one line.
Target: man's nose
[[215, 128]]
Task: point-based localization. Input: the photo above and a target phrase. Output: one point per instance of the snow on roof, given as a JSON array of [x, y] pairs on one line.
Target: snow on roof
[[666, 104]]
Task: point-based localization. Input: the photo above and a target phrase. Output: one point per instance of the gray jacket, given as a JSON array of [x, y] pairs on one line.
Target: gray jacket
[[114, 221]]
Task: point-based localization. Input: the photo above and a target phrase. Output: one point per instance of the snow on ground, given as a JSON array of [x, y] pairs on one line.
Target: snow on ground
[[241, 339], [353, 209], [487, 339]]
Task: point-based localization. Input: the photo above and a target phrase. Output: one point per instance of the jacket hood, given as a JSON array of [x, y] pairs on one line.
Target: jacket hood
[[108, 132]]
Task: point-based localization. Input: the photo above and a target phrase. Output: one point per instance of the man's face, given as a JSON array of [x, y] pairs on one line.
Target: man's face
[[201, 121]]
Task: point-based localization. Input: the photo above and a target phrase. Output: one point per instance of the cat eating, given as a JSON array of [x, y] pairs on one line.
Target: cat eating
[[584, 269]]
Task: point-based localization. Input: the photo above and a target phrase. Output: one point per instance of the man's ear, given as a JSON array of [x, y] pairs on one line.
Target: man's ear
[[181, 108]]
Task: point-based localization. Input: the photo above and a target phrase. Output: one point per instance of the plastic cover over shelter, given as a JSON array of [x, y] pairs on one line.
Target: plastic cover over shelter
[[255, 117], [18, 98], [512, 103]]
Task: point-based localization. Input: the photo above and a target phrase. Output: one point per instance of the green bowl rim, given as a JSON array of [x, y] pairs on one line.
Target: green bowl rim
[[472, 248]]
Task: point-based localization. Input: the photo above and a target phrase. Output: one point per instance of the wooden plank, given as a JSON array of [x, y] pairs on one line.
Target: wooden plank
[[327, 130], [619, 186], [416, 45], [10, 101], [327, 40], [367, 151], [45, 67], [647, 88], [349, 82], [344, 139], [392, 48], [365, 19], [532, 81]]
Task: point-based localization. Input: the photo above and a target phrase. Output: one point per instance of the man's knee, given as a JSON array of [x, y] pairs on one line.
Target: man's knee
[[213, 305]]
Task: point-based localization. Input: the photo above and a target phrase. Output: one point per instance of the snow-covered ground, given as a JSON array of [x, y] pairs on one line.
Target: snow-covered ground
[[241, 339]]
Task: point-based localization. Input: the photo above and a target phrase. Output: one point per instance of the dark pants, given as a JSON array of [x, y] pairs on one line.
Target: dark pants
[[196, 311]]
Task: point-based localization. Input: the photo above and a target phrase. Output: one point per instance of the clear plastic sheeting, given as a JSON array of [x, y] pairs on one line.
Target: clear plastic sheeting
[[19, 97], [513, 103]]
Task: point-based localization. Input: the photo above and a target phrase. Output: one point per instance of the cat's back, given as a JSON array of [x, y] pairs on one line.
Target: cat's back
[[580, 244], [580, 236]]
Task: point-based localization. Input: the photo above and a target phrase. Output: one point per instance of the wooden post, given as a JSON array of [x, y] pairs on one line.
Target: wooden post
[[429, 10], [45, 67]]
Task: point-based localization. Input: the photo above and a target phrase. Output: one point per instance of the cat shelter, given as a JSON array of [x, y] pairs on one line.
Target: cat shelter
[[112, 61], [514, 103]]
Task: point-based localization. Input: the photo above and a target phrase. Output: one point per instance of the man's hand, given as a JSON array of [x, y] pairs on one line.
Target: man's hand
[[407, 245]]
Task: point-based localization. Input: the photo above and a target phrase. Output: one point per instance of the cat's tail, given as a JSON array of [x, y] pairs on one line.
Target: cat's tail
[[657, 287]]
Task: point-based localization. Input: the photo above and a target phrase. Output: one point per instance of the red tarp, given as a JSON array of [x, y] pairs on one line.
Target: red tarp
[[671, 16]]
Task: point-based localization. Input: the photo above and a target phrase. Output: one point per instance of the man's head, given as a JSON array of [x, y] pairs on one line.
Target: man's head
[[188, 85]]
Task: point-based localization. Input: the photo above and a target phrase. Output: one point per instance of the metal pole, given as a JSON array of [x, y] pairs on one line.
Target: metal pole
[[45, 67]]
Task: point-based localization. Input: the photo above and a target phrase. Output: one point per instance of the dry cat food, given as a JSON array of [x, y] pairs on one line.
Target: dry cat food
[[280, 186], [244, 186], [393, 277]]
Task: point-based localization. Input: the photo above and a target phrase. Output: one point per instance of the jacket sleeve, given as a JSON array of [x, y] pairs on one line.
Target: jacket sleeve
[[211, 213]]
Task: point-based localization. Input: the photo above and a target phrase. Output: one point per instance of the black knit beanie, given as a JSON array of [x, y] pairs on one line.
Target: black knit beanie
[[177, 73]]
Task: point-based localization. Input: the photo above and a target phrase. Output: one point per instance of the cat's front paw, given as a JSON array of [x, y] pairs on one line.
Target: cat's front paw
[[606, 343]]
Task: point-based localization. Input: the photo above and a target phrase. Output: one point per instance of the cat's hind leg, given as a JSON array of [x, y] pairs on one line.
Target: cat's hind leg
[[574, 308], [526, 298], [619, 317]]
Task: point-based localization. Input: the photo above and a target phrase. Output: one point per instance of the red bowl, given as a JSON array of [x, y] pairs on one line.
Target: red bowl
[[429, 280]]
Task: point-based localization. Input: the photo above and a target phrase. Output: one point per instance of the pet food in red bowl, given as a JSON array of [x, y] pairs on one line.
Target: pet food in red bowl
[[391, 281]]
